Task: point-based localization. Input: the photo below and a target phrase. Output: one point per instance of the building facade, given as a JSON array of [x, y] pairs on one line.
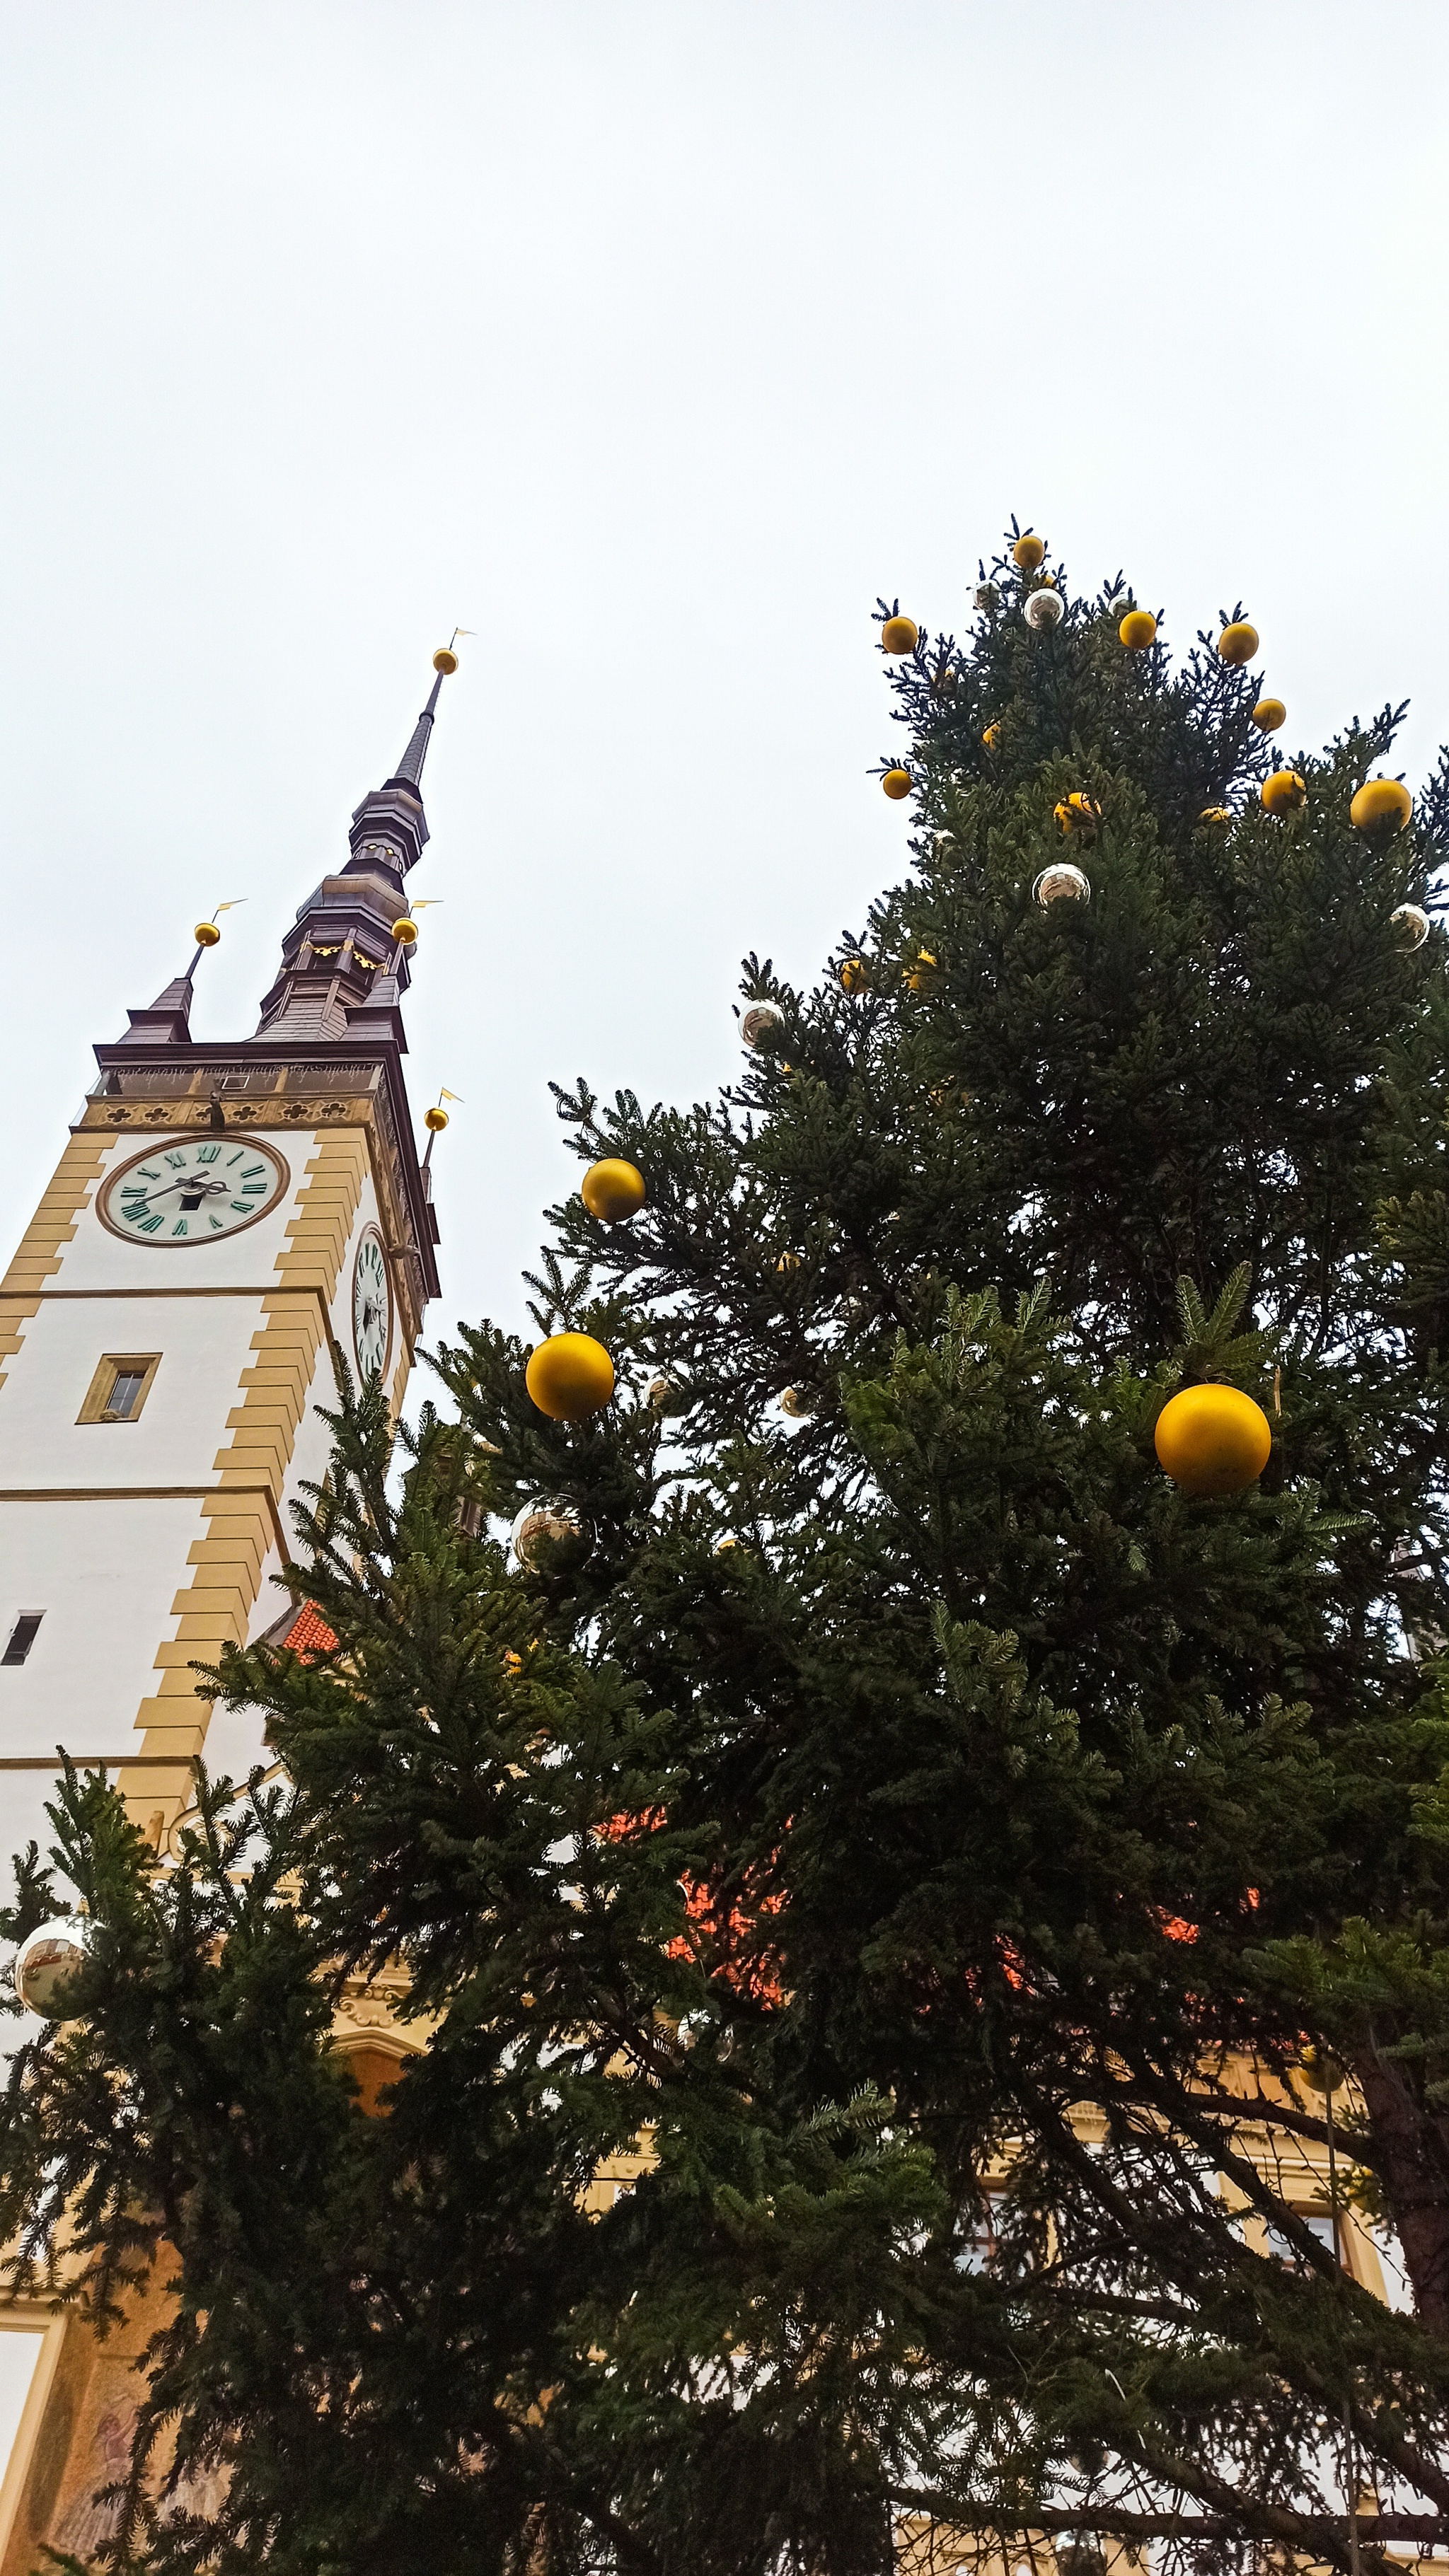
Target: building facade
[[226, 1225]]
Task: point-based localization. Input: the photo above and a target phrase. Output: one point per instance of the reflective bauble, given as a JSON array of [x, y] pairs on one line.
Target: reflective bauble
[[1044, 610], [897, 783], [1215, 814], [1027, 553], [1269, 714], [612, 1189], [550, 1537], [47, 1963], [992, 736], [1137, 630], [1413, 921], [1284, 792], [1381, 801], [570, 1376], [664, 1394], [1238, 642], [797, 1401], [986, 597], [788, 1261], [1213, 1439], [899, 635], [762, 1027], [918, 974], [1061, 882], [854, 975]]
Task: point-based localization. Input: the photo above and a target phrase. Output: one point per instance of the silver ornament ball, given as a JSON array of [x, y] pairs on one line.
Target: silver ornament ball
[[988, 597], [1413, 922], [1043, 610], [550, 1537], [762, 1025], [797, 1401], [1062, 883], [47, 1963]]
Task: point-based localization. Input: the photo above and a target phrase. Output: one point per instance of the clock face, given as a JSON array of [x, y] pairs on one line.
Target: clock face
[[193, 1189], [371, 1304]]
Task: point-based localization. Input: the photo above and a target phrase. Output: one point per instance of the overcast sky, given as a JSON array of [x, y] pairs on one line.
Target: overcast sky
[[652, 341]]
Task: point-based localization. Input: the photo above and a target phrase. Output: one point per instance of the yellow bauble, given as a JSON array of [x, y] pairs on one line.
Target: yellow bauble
[[854, 975], [445, 660], [899, 635], [788, 1261], [569, 1376], [1284, 792], [1269, 714], [992, 736], [1238, 642], [897, 782], [1215, 814], [436, 1120], [206, 934], [612, 1189], [1077, 813], [919, 975], [1137, 630], [1027, 553], [1213, 1439], [405, 931], [1380, 801]]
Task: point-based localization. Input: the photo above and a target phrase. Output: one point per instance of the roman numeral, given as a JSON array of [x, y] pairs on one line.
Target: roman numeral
[[175, 1159], [181, 1226], [207, 1153], [233, 1158], [150, 1225]]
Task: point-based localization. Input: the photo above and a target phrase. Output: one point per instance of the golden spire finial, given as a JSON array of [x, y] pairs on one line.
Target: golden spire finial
[[436, 1119], [445, 660], [207, 933]]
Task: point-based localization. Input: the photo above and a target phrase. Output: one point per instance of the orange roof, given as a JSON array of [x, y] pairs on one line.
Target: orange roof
[[309, 1633]]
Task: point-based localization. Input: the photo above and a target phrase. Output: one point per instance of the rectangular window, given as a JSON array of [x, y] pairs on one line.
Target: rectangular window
[[120, 1386], [22, 1637]]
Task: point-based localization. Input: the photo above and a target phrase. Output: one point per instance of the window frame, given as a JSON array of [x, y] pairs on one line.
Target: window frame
[[111, 1365]]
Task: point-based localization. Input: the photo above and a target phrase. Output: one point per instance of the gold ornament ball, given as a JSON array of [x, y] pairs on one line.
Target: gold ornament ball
[[1062, 883], [1413, 923], [206, 934], [797, 1401], [570, 1376], [1284, 792], [1027, 553], [435, 1120], [1077, 813], [1269, 714], [1213, 1440], [405, 931], [992, 736], [47, 1963], [1137, 630], [854, 975], [445, 660], [1215, 814], [918, 975], [1380, 801], [897, 783], [1238, 642], [612, 1189], [899, 635], [788, 1261]]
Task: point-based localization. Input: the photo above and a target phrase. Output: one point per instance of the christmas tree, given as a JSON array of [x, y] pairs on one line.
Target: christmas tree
[[927, 1933]]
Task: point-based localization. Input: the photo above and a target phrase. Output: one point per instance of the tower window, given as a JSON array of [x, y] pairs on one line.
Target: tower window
[[120, 1386], [22, 1637]]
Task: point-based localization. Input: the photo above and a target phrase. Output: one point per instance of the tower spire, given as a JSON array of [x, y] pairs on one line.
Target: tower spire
[[409, 770]]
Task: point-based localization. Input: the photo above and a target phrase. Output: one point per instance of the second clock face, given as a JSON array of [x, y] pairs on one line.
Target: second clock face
[[371, 1304], [191, 1189]]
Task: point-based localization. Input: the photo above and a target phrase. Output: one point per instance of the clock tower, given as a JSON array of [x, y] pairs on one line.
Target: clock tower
[[225, 1225]]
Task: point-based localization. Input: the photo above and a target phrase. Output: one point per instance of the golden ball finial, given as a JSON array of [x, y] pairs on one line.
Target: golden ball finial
[[445, 660], [405, 931], [436, 1120], [206, 934]]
